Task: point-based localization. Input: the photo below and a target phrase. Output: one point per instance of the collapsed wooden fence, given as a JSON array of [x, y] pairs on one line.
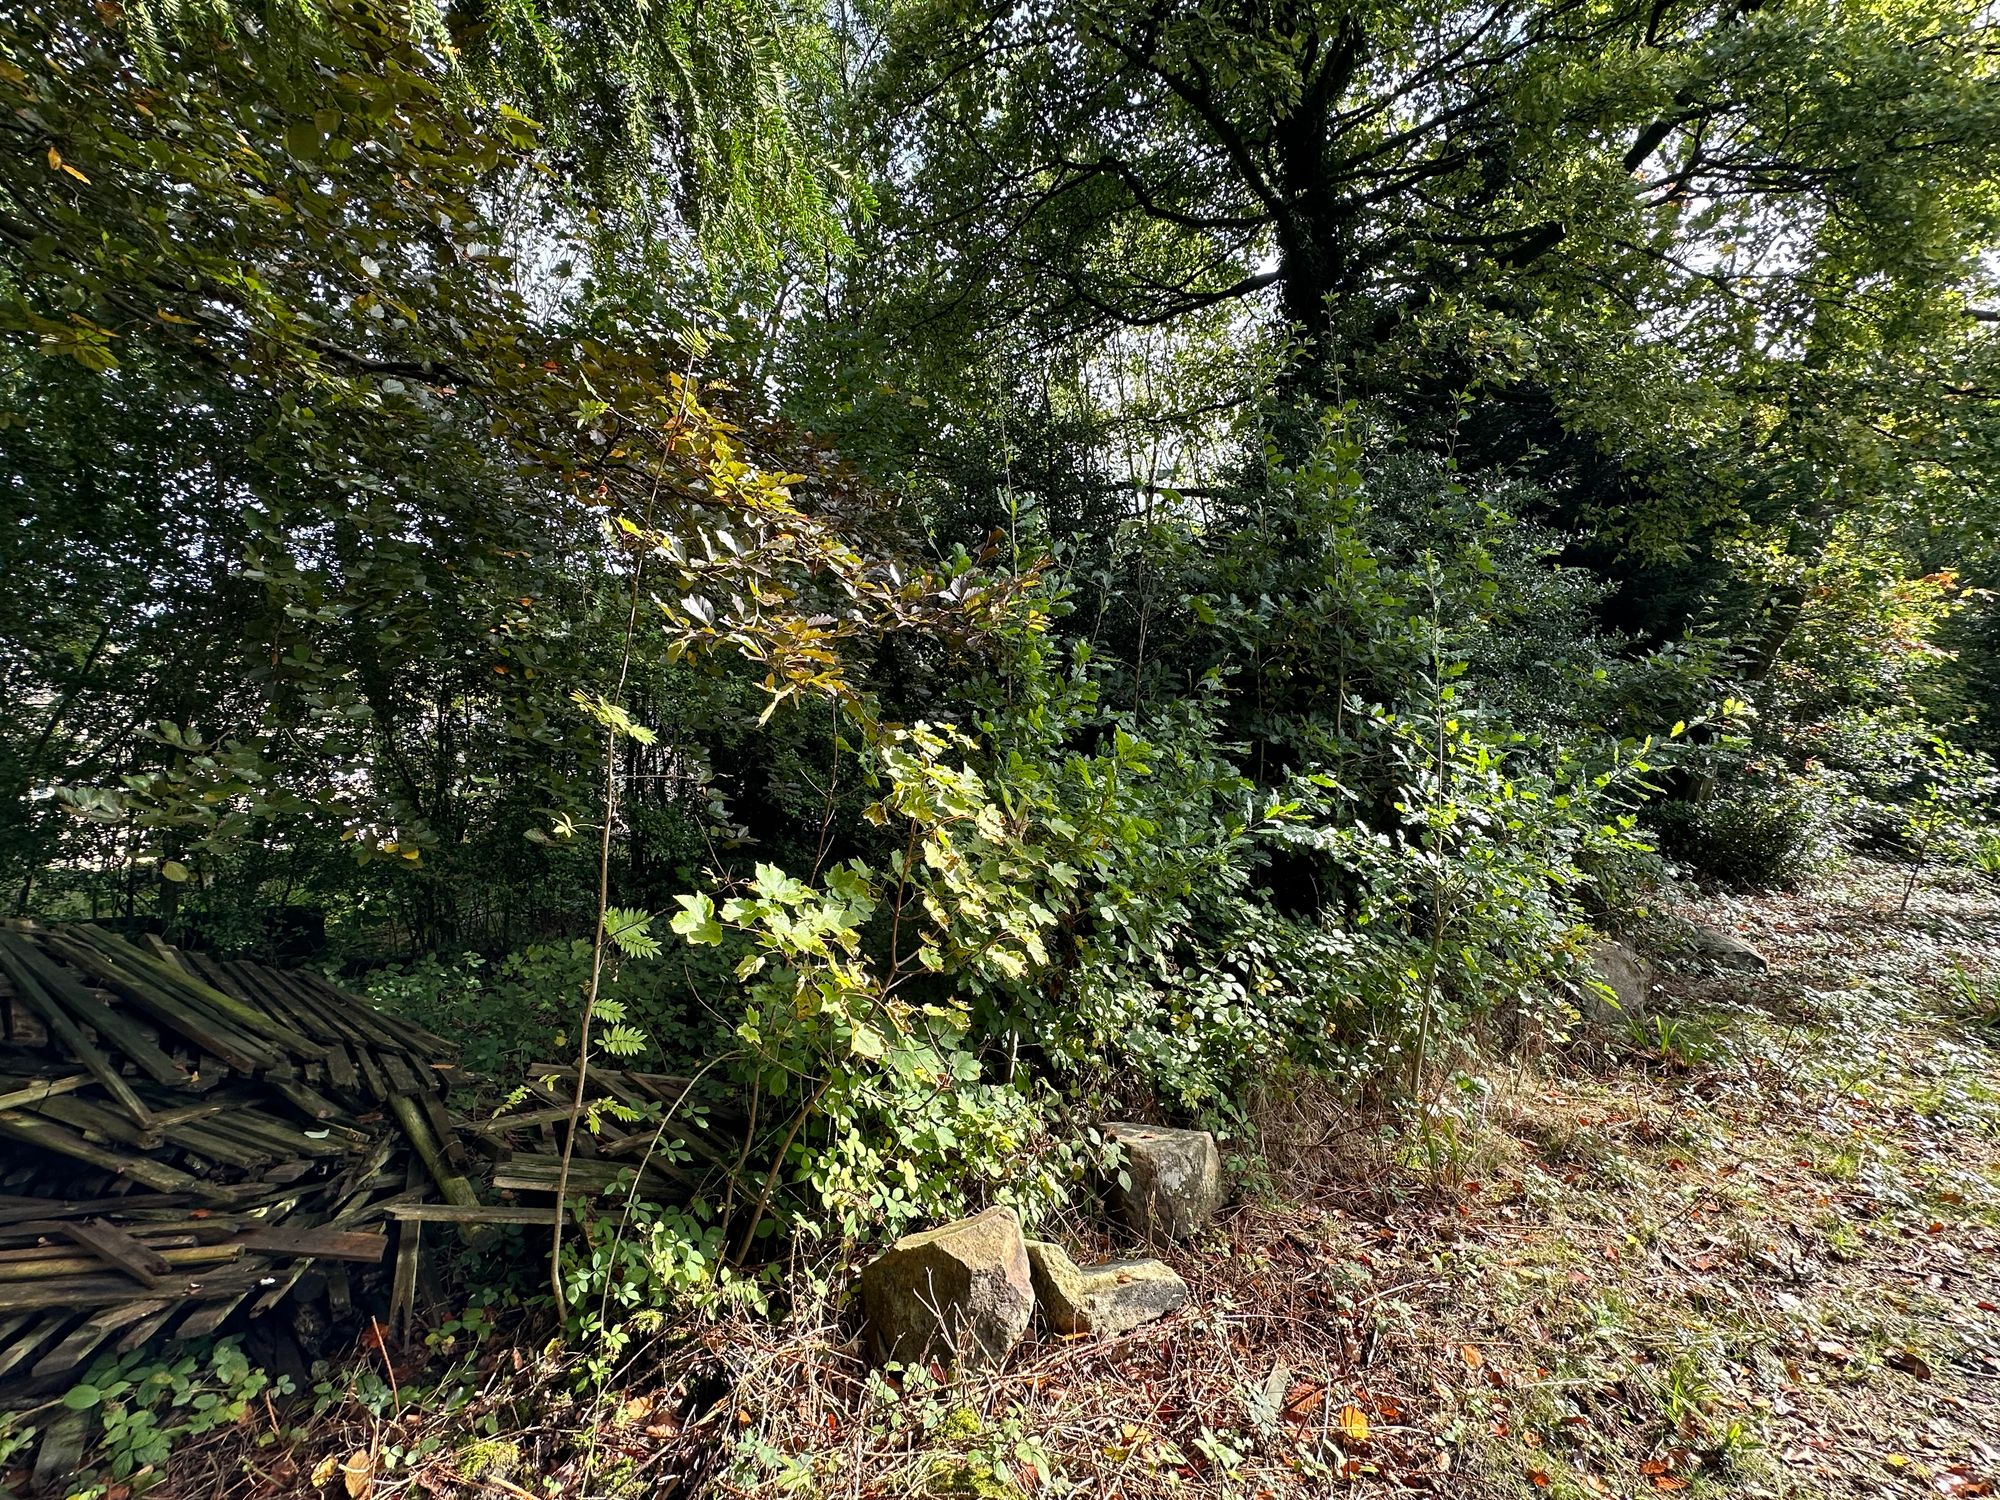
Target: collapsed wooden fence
[[183, 1138]]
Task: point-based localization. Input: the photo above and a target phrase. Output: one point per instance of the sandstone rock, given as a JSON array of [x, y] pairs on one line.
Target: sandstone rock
[[1630, 977], [1176, 1179], [1727, 951], [1105, 1299], [961, 1293]]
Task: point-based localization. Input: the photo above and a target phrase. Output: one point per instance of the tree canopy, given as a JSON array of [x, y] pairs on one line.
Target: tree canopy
[[984, 559]]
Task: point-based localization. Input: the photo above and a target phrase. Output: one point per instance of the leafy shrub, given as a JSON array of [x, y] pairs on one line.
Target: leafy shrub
[[522, 1007], [1760, 829], [145, 1405]]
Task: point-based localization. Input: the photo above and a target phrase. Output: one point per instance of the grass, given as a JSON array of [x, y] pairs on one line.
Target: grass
[[1757, 1255]]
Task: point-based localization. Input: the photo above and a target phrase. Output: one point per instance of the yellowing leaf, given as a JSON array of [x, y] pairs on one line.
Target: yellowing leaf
[[1354, 1424], [357, 1475], [57, 164]]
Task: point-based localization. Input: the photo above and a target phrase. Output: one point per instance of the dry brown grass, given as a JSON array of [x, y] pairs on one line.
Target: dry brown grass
[[1766, 1267]]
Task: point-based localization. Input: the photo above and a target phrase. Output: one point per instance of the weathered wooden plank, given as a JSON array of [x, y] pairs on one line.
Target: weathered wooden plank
[[54, 1266], [144, 1263], [321, 1244], [62, 1208], [206, 1030], [414, 1038], [205, 1319], [402, 1079], [555, 1114], [539, 1173], [233, 979], [21, 1334], [95, 1120], [417, 1129], [470, 1213], [403, 1287], [84, 1340], [52, 1137], [328, 1025], [66, 1028], [443, 1131], [240, 1013], [206, 1140], [101, 1290], [124, 1032], [147, 1327], [314, 1106], [340, 1071], [21, 1093], [371, 1075], [60, 1455]]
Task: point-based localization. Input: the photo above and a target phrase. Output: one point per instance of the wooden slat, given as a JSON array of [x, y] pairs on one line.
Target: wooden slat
[[21, 1093], [371, 1075], [340, 1071], [60, 1208], [470, 1213], [122, 1031], [205, 1319], [239, 1013], [403, 1288], [22, 1333], [143, 1263], [413, 1037], [322, 1244], [209, 1032], [65, 1027], [53, 1265], [453, 1187], [442, 1131], [329, 1027], [143, 1331], [313, 1106], [83, 1342], [402, 1078], [53, 1137], [95, 1120], [92, 1291]]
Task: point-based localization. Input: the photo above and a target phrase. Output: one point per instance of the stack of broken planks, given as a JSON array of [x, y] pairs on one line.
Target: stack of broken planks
[[181, 1138], [650, 1136]]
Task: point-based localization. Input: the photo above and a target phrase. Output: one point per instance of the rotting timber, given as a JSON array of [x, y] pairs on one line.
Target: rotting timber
[[187, 1143]]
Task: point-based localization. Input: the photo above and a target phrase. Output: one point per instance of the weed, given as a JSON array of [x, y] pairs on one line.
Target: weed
[[1973, 1000]]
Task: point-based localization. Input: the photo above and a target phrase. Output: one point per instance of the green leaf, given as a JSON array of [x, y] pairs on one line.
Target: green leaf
[[695, 921], [631, 931]]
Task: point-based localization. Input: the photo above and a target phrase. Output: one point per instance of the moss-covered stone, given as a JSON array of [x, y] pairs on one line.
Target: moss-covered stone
[[1105, 1299], [960, 1293], [1175, 1179]]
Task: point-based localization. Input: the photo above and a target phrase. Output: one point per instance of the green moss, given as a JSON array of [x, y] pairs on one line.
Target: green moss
[[959, 1479], [488, 1459], [961, 1425]]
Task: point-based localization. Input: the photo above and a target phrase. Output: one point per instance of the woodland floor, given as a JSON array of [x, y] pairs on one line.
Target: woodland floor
[[1755, 1253]]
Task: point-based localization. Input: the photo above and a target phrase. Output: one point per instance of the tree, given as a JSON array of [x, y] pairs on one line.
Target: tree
[[303, 461]]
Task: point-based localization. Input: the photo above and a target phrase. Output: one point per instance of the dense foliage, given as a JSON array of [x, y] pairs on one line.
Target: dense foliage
[[950, 568]]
